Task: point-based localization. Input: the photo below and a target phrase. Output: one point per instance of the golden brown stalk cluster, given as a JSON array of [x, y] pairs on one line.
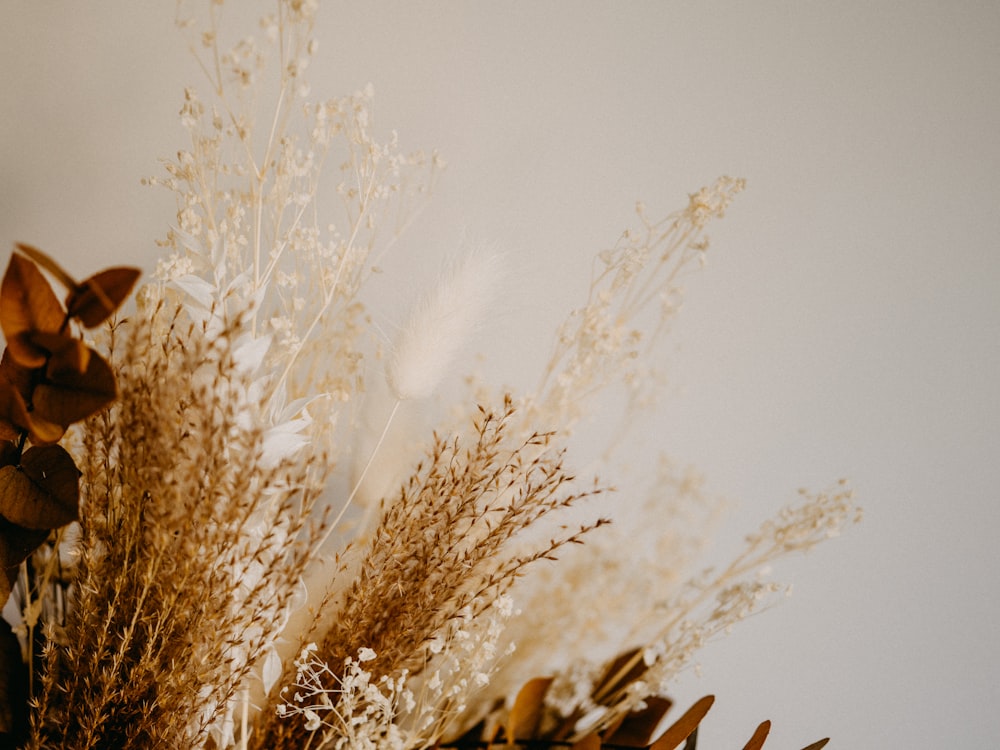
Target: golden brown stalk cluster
[[178, 585], [442, 544], [443, 548]]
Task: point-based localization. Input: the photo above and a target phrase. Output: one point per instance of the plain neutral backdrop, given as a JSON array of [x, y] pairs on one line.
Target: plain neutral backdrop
[[847, 324]]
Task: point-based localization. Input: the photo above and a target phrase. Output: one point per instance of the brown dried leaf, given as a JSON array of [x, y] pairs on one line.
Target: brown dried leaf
[[15, 418], [639, 728], [625, 669], [10, 430], [20, 377], [52, 468], [590, 742], [71, 396], [27, 304], [96, 298], [526, 713], [760, 734], [609, 730], [680, 730], [43, 492], [66, 353], [817, 745], [16, 543], [46, 262], [43, 432], [15, 387]]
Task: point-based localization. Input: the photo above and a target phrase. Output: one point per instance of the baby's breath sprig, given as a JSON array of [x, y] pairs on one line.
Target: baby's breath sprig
[[603, 342]]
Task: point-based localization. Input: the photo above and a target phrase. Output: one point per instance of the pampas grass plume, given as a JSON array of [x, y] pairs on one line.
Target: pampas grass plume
[[440, 322]]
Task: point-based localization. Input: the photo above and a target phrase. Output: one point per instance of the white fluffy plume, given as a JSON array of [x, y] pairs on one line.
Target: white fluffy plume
[[440, 322]]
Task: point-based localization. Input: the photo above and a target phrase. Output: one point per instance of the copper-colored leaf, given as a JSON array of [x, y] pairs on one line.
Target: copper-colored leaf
[[639, 728], [93, 301], [43, 432], [684, 726], [53, 469], [10, 431], [45, 261], [624, 670], [20, 377], [17, 542], [610, 729], [15, 387], [27, 304], [65, 353], [72, 396], [590, 742], [526, 713], [43, 492], [15, 418], [817, 745], [757, 741], [21, 499]]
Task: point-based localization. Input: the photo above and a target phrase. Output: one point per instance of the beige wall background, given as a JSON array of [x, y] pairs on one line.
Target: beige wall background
[[848, 323]]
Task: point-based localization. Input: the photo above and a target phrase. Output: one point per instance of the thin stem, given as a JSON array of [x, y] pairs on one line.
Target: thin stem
[[330, 297], [361, 478], [245, 720]]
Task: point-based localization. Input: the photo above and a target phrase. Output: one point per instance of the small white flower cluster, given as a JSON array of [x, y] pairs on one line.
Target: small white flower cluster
[[672, 619], [362, 712], [460, 664], [715, 602], [358, 713], [601, 343], [247, 240], [799, 528], [712, 202], [572, 688]]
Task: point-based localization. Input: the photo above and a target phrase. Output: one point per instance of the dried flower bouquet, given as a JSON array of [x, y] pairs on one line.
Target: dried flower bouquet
[[205, 545]]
